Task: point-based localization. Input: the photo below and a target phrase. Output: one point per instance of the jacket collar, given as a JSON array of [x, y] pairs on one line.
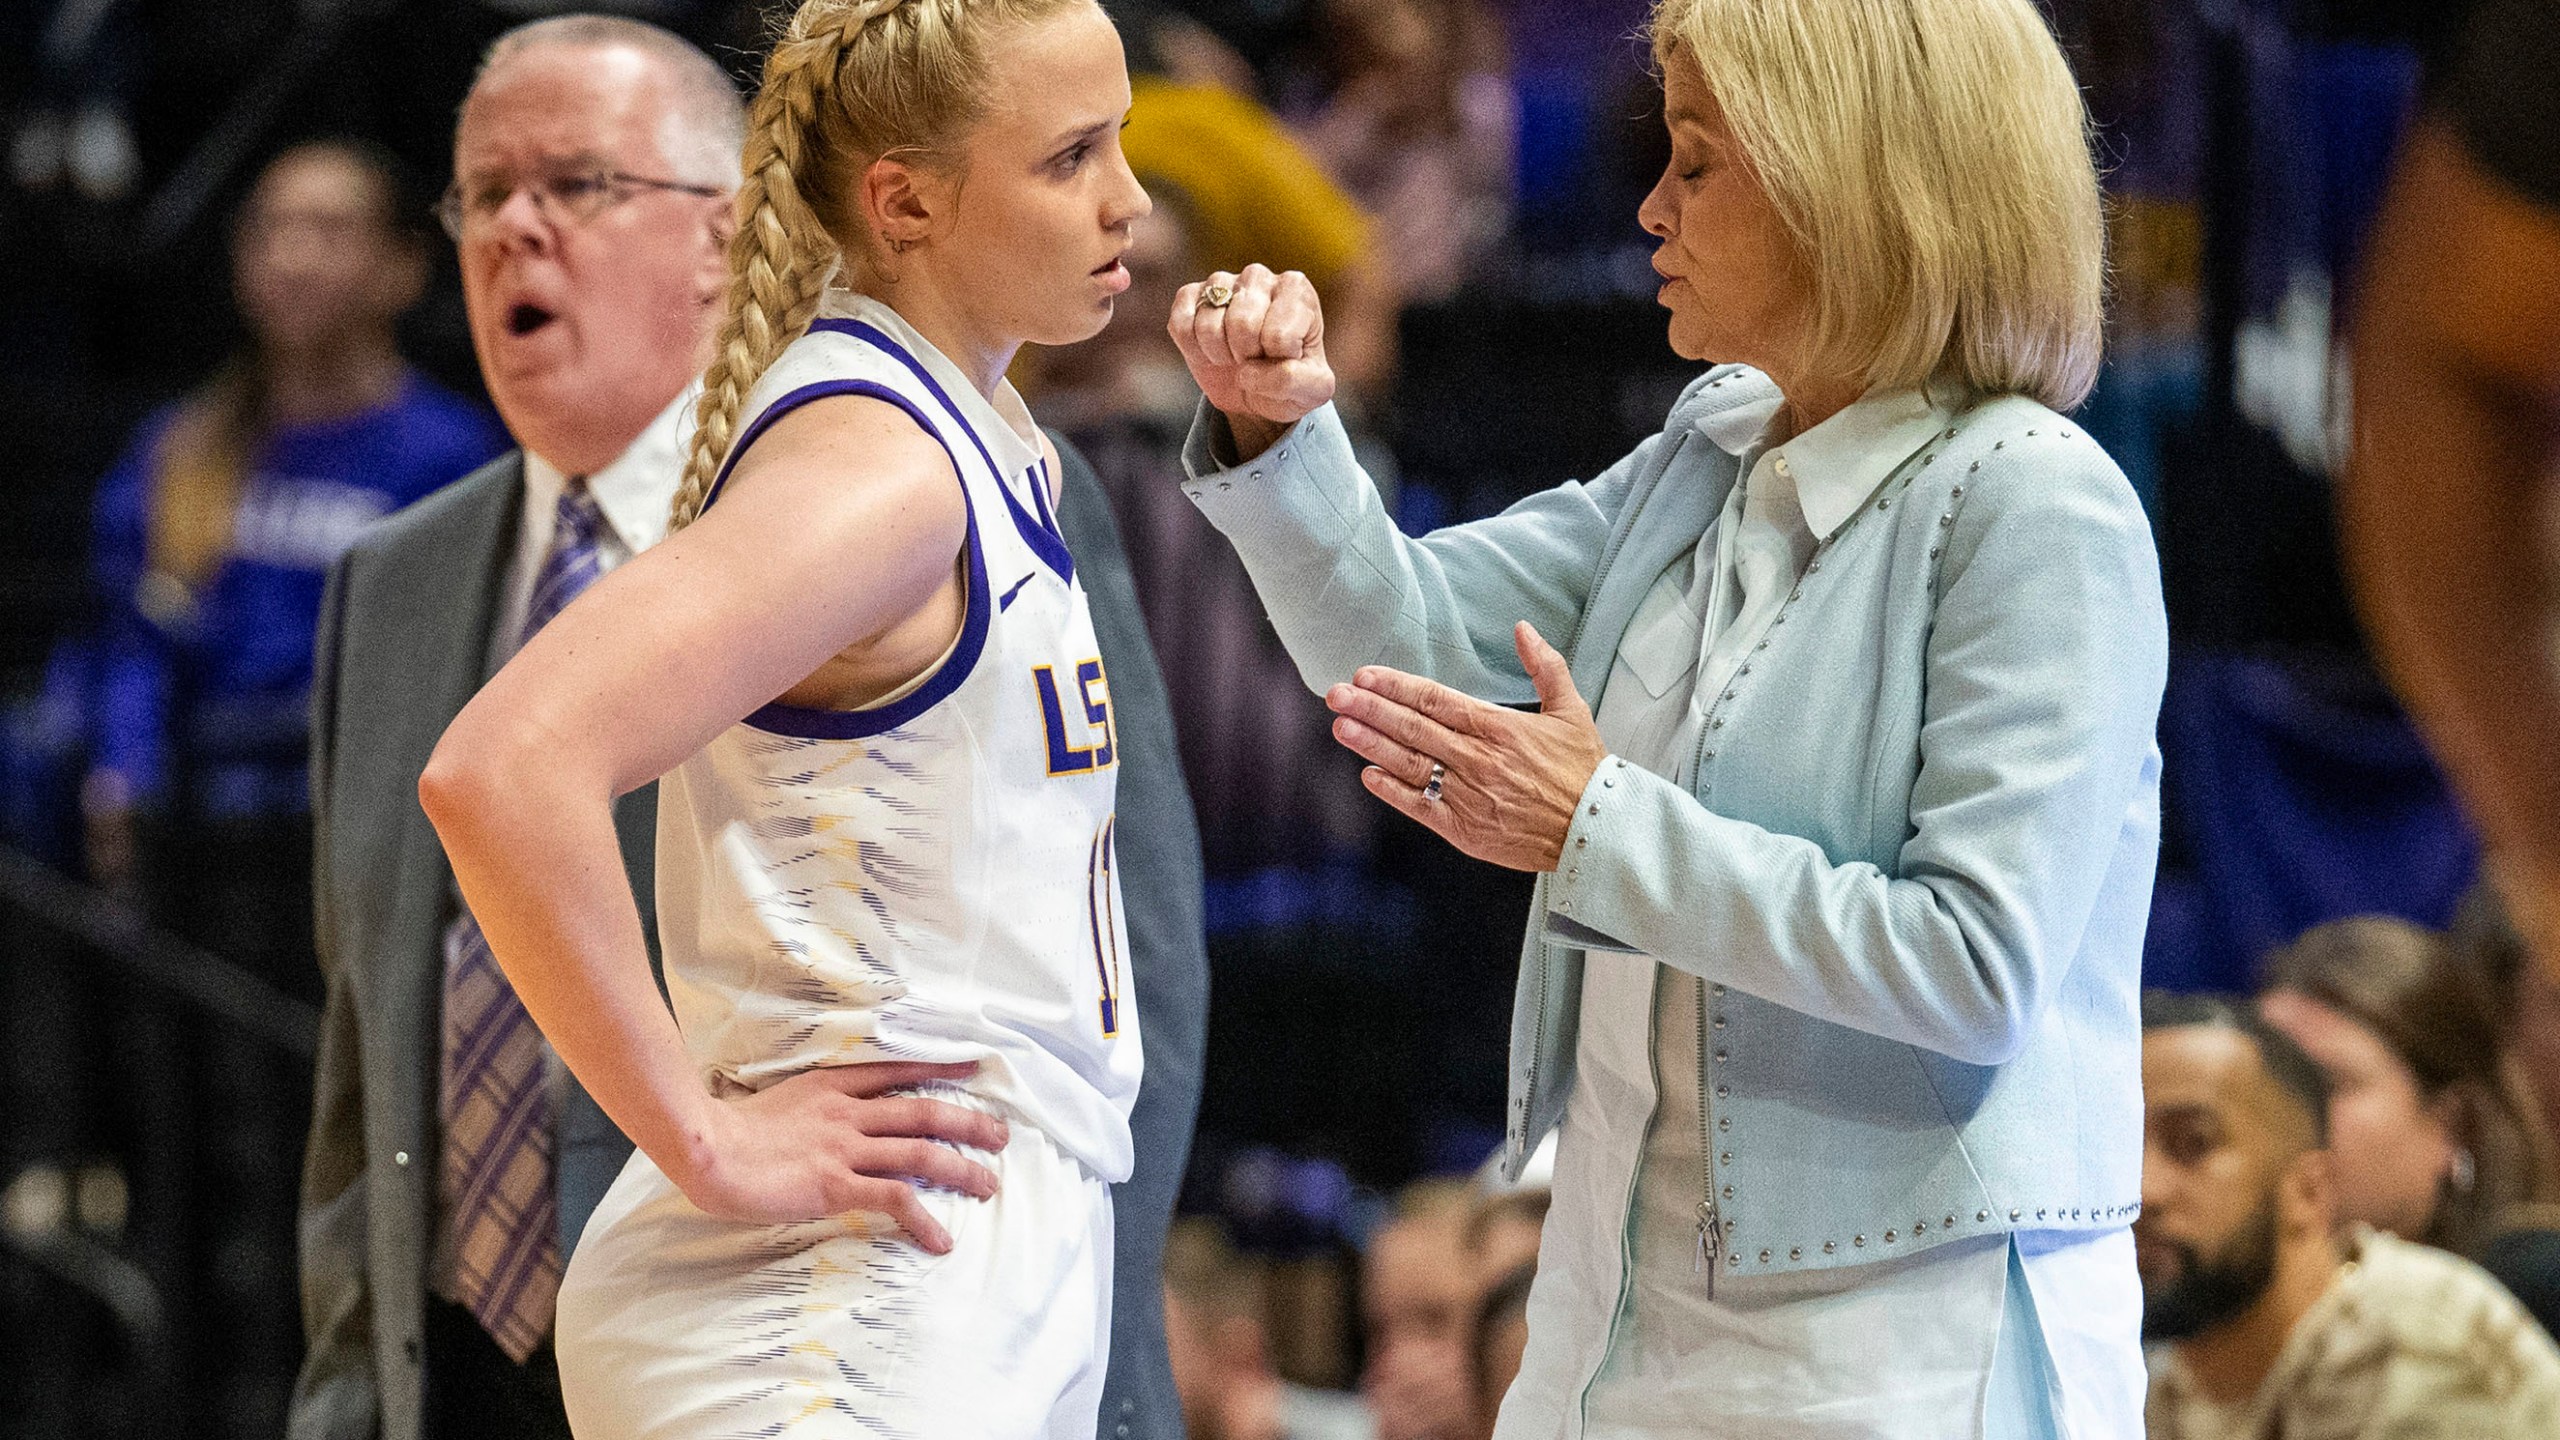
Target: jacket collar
[[1837, 464], [1732, 407]]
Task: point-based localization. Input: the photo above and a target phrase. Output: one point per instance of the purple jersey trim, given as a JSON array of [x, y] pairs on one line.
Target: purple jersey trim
[[1043, 538], [809, 724]]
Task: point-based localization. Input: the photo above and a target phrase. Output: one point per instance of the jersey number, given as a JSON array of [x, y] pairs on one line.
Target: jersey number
[[1106, 924], [1093, 694]]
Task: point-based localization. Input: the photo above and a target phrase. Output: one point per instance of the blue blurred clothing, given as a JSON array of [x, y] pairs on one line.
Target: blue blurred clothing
[[2299, 794], [217, 685]]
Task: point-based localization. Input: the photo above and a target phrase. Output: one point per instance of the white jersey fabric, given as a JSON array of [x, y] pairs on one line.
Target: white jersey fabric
[[929, 879]]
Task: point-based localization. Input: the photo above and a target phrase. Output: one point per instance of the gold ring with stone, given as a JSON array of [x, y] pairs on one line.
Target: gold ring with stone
[[1217, 295]]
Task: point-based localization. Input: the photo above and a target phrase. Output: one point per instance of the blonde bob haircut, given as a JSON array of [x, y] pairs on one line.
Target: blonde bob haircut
[[1931, 159]]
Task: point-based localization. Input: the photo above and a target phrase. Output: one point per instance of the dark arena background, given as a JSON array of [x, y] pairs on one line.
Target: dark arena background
[[158, 998]]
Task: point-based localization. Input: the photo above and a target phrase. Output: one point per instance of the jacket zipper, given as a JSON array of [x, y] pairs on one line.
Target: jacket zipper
[[1711, 1227], [1599, 577], [1710, 1219]]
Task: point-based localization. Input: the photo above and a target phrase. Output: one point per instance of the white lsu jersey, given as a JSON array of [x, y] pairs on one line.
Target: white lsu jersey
[[933, 878]]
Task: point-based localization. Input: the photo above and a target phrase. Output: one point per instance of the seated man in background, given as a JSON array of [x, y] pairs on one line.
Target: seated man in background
[[2269, 1324]]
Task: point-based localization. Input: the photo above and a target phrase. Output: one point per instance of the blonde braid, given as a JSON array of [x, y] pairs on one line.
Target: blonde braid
[[848, 82], [781, 254]]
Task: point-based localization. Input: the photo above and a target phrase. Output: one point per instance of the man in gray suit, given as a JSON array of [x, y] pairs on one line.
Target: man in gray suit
[[593, 165]]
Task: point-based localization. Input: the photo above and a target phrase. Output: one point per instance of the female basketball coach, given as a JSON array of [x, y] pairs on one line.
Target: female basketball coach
[[1832, 966]]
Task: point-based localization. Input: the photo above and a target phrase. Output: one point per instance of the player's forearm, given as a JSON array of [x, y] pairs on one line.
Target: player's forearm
[[532, 842], [2446, 547], [2444, 508]]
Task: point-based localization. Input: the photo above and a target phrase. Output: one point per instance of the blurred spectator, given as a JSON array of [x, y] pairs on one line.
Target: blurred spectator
[[1419, 1291], [2432, 1136], [73, 124], [2525, 1252], [2271, 1326], [1217, 1330], [1421, 126], [2446, 506], [216, 530], [1503, 1231], [1501, 1336], [1270, 787], [1509, 1217], [1254, 193]]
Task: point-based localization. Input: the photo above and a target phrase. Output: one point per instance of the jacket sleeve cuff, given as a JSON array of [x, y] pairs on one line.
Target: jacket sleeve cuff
[[1608, 817], [1305, 487]]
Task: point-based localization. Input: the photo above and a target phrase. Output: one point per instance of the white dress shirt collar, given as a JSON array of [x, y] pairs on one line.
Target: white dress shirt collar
[[1835, 465], [634, 493], [1840, 462], [637, 488]]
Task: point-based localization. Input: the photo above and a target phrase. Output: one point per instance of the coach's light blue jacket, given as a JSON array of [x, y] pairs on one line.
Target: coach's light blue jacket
[[1920, 844]]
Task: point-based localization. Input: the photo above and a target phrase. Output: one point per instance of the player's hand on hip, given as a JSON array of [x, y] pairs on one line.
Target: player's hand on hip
[[844, 1138], [1260, 356]]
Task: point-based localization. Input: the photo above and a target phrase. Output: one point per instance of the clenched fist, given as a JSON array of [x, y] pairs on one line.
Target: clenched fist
[[1259, 358]]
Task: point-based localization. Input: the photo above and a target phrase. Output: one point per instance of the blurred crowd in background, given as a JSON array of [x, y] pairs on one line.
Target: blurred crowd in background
[[230, 337]]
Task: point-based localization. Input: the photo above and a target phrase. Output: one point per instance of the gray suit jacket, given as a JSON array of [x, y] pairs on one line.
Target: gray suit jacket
[[403, 643], [1161, 889]]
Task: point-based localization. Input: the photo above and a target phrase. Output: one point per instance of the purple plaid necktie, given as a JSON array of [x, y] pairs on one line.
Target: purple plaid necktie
[[501, 1201]]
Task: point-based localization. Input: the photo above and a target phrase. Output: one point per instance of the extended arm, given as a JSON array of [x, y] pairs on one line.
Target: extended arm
[[642, 671], [2447, 502], [1344, 586]]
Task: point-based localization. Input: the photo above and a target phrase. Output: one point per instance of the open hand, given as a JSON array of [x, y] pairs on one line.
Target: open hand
[[1259, 358], [843, 1138], [1509, 781]]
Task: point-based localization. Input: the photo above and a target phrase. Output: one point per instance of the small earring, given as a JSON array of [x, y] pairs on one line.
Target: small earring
[[2464, 1174], [901, 247]]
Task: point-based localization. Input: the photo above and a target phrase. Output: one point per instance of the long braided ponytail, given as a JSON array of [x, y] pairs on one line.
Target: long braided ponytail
[[847, 82]]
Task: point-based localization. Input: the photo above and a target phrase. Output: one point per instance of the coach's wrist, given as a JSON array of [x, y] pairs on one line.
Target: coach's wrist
[[1246, 437]]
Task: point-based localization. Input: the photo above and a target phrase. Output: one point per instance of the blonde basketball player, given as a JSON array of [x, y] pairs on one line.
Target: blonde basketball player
[[864, 670]]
